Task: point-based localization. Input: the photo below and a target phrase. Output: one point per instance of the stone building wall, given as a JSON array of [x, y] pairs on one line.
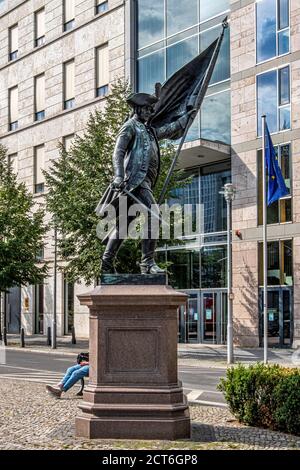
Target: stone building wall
[[244, 167], [80, 43]]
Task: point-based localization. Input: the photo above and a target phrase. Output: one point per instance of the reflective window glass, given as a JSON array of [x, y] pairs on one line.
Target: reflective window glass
[[283, 42], [267, 100], [272, 28], [181, 15], [151, 69], [150, 21], [287, 274], [182, 267], [222, 67], [181, 53], [213, 267], [280, 211], [209, 9], [215, 117], [283, 14], [214, 205], [284, 85], [266, 29]]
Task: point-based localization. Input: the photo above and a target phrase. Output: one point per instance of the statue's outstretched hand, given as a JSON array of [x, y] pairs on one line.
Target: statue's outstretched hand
[[117, 182], [192, 113]]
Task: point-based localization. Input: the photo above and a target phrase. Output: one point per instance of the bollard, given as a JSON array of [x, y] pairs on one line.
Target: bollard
[[49, 336], [73, 335], [4, 336], [22, 338]]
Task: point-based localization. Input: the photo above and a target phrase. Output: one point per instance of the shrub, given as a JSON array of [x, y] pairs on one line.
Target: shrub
[[287, 398], [266, 396]]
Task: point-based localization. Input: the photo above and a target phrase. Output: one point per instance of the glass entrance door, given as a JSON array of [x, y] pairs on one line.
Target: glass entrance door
[[209, 316], [192, 319], [279, 316], [204, 319]]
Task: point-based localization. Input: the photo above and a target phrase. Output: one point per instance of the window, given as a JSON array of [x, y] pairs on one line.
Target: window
[[215, 117], [40, 255], [170, 33], [101, 6], [13, 42], [39, 166], [13, 108], [272, 29], [102, 70], [69, 84], [280, 263], [211, 9], [181, 15], [273, 99], [40, 27], [280, 211], [150, 21], [13, 162], [40, 97], [69, 14], [67, 142]]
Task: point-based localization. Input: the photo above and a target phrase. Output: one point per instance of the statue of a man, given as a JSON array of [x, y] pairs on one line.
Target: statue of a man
[[136, 162]]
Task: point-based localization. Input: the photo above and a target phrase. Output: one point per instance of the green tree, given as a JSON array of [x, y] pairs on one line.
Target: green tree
[[21, 231], [78, 179]]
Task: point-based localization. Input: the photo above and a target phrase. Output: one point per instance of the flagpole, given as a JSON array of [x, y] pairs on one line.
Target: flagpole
[[199, 99], [265, 241]]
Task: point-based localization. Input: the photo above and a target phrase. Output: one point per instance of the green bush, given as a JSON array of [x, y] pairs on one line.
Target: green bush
[[264, 395], [287, 398]]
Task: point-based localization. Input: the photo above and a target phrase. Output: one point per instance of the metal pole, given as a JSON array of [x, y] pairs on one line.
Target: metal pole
[[265, 244], [73, 341], [230, 358], [22, 338], [201, 93], [54, 331], [0, 316], [49, 336]]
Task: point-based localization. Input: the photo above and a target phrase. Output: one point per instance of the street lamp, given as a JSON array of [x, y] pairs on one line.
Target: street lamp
[[229, 194]]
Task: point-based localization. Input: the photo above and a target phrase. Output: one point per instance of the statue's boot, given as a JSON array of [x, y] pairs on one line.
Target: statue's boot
[[109, 255], [148, 265]]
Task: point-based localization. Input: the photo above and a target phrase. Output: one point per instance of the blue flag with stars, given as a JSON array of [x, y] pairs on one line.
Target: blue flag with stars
[[276, 184]]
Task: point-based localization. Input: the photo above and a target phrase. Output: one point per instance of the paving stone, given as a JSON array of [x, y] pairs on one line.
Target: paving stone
[[31, 419]]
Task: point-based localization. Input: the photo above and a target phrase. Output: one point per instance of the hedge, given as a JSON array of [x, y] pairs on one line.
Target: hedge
[[264, 395]]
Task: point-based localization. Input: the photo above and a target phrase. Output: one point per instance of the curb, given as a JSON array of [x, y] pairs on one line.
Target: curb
[[42, 351]]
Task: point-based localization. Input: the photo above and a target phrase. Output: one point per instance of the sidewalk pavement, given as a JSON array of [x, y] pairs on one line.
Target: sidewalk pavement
[[209, 355], [31, 419]]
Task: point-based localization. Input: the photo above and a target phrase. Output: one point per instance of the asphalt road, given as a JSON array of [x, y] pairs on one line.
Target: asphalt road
[[199, 382]]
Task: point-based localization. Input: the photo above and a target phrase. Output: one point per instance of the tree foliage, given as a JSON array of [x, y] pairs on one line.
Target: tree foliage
[[21, 231], [76, 183]]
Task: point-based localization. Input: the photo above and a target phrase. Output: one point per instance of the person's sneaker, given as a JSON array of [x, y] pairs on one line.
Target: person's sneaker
[[54, 391]]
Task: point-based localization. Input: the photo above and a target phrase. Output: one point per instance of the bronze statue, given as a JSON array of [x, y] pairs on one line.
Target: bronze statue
[[136, 162]]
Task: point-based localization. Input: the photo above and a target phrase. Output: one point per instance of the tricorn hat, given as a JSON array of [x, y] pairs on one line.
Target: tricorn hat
[[141, 99]]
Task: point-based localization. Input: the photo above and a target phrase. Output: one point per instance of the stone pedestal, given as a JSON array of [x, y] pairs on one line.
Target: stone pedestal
[[133, 391]]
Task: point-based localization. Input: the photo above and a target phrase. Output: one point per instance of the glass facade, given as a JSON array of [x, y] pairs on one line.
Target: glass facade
[[195, 264], [280, 263], [280, 211], [272, 29], [273, 99], [170, 34]]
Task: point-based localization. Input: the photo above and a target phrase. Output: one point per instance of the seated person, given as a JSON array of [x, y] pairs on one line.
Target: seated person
[[73, 375]]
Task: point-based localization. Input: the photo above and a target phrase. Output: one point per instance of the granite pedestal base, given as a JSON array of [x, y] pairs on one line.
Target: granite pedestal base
[[133, 390]]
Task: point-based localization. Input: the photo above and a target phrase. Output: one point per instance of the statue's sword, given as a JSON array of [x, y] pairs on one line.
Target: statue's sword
[[143, 205]]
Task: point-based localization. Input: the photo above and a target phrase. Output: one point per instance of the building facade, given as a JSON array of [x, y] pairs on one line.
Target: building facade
[[57, 61]]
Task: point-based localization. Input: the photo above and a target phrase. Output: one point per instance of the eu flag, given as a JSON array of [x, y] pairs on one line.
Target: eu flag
[[276, 184]]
